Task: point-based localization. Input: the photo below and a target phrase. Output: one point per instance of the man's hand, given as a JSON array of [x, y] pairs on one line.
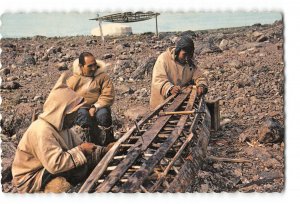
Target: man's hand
[[87, 148], [175, 90], [108, 147], [92, 111], [200, 90]]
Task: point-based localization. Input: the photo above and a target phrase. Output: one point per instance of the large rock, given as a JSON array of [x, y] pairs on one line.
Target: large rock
[[262, 39], [107, 56], [7, 157], [61, 66], [235, 64], [144, 69], [123, 89], [19, 119], [121, 65], [256, 34], [29, 59], [10, 45], [271, 131], [207, 47], [112, 30], [248, 135], [224, 44], [188, 33], [4, 71], [136, 112], [10, 85]]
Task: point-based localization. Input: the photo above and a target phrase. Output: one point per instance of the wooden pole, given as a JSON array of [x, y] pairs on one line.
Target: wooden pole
[[156, 24], [177, 113], [100, 27]]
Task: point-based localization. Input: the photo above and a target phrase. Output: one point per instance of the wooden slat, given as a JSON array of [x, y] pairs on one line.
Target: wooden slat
[[159, 124], [136, 180], [190, 168], [164, 174], [140, 145], [102, 165], [189, 137], [118, 172], [198, 153]]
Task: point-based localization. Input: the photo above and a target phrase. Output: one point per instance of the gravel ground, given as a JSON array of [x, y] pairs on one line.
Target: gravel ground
[[245, 70]]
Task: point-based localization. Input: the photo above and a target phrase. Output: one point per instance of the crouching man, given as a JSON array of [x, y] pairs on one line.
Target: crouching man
[[175, 69], [90, 81], [50, 157]]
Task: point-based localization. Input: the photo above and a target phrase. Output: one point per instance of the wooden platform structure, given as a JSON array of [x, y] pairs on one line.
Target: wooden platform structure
[[159, 153], [127, 17]]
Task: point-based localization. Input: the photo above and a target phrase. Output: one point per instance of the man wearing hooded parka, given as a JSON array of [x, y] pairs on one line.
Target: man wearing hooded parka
[[50, 157], [175, 69]]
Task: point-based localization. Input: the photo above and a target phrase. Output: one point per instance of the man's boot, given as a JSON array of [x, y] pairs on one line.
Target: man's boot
[[106, 135], [87, 134], [58, 185]]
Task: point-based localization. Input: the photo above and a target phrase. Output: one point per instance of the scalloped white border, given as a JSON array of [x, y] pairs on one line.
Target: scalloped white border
[[122, 5], [291, 11]]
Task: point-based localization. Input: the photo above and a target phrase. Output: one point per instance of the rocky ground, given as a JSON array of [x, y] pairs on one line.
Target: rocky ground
[[245, 70]]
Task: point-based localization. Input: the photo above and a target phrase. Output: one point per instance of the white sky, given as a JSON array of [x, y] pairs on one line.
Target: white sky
[[291, 12]]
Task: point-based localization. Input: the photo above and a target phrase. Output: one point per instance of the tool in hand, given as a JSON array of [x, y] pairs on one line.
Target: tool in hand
[[180, 112]]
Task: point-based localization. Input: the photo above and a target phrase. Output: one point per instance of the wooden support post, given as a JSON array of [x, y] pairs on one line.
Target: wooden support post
[[156, 24], [100, 28], [214, 110]]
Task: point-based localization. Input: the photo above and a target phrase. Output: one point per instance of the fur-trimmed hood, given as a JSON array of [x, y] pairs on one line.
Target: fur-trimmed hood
[[60, 101], [97, 90], [76, 69]]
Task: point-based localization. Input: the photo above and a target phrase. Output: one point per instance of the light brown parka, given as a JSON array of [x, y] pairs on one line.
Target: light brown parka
[[97, 90], [167, 72], [45, 145]]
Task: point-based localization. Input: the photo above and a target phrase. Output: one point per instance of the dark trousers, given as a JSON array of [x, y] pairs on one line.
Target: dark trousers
[[73, 176], [103, 119]]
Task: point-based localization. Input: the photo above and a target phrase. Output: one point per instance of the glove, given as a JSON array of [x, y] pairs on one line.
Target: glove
[[87, 148]]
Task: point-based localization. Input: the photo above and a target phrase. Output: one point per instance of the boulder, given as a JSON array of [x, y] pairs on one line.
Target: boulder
[[256, 34], [51, 50], [248, 135], [119, 47], [12, 78], [135, 112], [144, 69], [189, 33], [225, 121], [235, 64], [207, 47], [123, 89], [107, 56], [7, 156], [271, 131], [28, 60], [4, 71], [61, 66], [262, 39], [9, 45], [10, 85], [45, 58], [224, 44]]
